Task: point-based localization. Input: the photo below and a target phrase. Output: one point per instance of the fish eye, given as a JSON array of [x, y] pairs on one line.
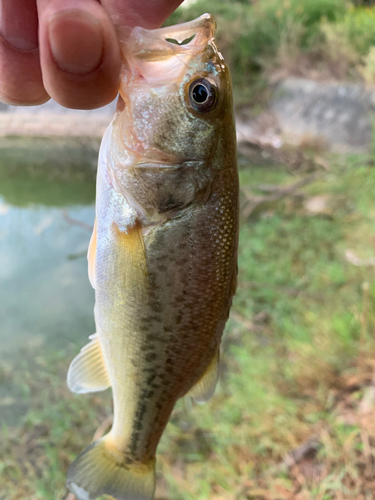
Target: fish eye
[[203, 95]]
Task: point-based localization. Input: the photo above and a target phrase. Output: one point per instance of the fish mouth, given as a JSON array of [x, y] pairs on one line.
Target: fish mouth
[[163, 54]]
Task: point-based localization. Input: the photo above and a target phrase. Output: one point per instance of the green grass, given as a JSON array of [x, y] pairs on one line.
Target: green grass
[[297, 362]]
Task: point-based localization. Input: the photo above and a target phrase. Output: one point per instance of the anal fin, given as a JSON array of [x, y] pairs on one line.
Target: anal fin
[[87, 371], [205, 387]]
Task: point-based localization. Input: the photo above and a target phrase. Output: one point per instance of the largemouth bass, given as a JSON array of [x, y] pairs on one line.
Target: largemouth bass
[[163, 254]]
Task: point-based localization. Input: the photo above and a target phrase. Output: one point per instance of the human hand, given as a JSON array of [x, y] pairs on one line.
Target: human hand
[[76, 58]]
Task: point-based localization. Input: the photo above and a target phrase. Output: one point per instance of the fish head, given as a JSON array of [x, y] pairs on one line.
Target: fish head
[[177, 92]]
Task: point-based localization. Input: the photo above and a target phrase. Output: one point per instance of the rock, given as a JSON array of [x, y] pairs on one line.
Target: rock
[[317, 205], [336, 115], [51, 119], [261, 130]]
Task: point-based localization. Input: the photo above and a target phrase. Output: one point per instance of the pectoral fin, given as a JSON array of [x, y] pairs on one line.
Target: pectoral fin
[[91, 256], [205, 387], [87, 371]]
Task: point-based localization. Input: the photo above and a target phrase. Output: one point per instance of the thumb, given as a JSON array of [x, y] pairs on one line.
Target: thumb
[[148, 14]]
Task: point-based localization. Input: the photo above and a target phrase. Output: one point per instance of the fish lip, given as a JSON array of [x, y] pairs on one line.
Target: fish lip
[[151, 55], [203, 27], [141, 40]]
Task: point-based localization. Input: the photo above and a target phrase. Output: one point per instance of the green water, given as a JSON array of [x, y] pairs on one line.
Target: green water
[[47, 190]]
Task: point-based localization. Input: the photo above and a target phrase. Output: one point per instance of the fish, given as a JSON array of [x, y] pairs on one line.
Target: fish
[[163, 254]]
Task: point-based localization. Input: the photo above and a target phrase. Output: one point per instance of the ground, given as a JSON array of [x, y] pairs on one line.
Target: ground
[[294, 413]]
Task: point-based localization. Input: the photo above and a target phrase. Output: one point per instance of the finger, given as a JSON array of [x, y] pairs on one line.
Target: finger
[[20, 74], [130, 13], [79, 53]]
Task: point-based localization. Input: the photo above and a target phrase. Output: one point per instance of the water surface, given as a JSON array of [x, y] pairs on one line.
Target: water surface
[[46, 212]]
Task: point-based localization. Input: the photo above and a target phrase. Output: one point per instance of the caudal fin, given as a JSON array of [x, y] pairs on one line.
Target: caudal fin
[[100, 470]]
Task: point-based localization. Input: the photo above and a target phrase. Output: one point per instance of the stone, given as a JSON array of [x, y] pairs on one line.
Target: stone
[[51, 119], [338, 116]]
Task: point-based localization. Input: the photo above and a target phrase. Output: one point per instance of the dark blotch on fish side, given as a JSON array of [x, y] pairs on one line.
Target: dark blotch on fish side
[[151, 378], [156, 306], [138, 426], [133, 442], [151, 319], [151, 357], [152, 337], [148, 347]]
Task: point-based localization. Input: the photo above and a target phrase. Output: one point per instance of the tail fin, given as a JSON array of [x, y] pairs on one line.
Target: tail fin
[[100, 470]]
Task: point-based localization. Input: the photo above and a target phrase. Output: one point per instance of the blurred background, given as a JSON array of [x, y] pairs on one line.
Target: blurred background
[[293, 416]]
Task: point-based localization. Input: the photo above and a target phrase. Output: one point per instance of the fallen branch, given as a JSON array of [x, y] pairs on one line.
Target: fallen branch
[[295, 456], [277, 193], [268, 188], [252, 327], [287, 290], [75, 222], [100, 431], [78, 255], [352, 258]]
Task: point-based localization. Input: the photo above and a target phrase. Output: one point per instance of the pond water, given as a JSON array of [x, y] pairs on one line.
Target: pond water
[[46, 215]]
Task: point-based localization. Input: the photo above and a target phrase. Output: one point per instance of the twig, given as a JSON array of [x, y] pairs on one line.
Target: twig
[[268, 188], [296, 455], [288, 290], [352, 258], [78, 255], [243, 148], [245, 322], [75, 222], [102, 428], [253, 201]]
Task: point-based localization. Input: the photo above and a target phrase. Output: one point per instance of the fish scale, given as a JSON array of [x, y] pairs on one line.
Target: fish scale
[[163, 255]]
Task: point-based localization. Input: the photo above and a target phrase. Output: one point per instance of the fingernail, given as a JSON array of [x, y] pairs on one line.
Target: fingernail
[[76, 41], [19, 28], [20, 43]]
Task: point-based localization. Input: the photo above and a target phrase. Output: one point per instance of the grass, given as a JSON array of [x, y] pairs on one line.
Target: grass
[[297, 365]]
